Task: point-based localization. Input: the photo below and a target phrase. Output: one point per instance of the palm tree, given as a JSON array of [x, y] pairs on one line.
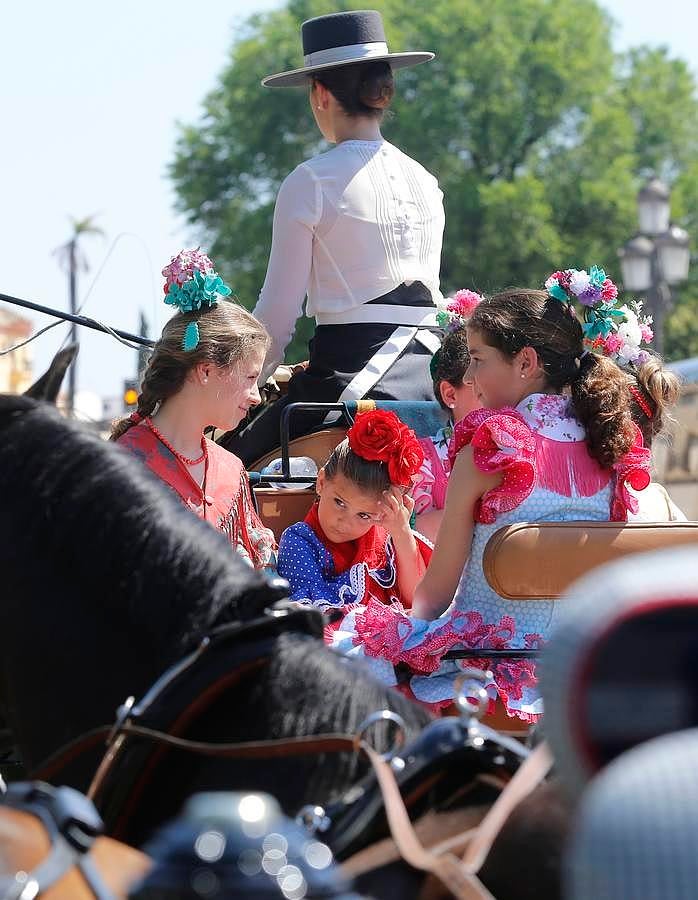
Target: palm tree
[[69, 254]]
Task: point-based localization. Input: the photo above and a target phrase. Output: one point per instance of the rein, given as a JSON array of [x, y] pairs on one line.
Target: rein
[[278, 748], [274, 621], [459, 876]]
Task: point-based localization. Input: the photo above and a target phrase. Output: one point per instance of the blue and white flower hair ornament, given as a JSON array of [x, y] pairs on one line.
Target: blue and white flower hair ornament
[[191, 284], [609, 329]]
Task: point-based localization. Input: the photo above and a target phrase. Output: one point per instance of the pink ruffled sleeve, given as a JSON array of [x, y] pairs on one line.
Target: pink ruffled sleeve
[[502, 442], [632, 470]]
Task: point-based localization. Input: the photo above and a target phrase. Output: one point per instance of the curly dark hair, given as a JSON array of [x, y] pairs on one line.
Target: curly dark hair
[[518, 318]]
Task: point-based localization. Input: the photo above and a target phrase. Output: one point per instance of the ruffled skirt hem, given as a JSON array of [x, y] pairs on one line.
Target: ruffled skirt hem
[[385, 637]]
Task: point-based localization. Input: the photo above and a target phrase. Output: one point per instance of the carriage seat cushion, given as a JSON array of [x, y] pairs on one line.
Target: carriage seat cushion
[[533, 561]]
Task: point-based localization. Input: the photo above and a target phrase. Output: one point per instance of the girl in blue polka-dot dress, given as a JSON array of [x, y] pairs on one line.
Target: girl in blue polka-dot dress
[[356, 543], [554, 442]]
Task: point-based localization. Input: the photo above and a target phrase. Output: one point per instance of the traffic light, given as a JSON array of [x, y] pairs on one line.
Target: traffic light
[[130, 392]]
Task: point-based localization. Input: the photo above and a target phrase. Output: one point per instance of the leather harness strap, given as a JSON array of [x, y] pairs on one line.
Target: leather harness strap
[[320, 743], [459, 876], [528, 776], [297, 746], [446, 868]]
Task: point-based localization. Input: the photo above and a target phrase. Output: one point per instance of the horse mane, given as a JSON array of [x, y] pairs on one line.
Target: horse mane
[[338, 694], [336, 691]]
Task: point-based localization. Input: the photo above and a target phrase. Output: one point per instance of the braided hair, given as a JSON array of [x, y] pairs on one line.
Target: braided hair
[[227, 333]]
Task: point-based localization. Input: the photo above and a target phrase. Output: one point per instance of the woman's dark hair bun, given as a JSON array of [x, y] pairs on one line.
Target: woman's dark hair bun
[[366, 89]]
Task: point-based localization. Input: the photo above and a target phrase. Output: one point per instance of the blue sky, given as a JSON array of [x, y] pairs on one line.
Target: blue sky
[[91, 93]]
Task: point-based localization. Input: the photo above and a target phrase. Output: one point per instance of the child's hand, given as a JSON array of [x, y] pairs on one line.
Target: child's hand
[[396, 511]]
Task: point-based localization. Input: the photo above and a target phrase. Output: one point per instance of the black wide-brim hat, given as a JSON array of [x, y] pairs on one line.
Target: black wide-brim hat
[[344, 39]]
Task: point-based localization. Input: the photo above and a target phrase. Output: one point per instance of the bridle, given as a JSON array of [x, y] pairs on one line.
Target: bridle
[[340, 821], [458, 875]]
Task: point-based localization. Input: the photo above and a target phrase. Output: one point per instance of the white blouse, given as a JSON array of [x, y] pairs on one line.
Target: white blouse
[[349, 226]]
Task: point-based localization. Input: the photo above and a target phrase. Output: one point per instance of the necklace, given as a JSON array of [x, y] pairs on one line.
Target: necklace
[[180, 456]]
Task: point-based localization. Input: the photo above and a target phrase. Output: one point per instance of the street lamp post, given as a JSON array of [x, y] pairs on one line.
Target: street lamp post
[[657, 258]]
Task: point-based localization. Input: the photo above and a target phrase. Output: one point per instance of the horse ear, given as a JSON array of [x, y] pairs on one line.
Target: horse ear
[[48, 386]]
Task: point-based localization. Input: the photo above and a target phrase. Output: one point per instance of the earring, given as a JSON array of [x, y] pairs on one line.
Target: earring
[[205, 380], [522, 375], [451, 405]]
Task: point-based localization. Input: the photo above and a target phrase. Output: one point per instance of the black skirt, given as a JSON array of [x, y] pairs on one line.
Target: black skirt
[[337, 353]]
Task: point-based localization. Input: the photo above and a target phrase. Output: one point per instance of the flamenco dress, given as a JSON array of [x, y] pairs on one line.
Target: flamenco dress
[[547, 476], [429, 491], [347, 575], [225, 502]]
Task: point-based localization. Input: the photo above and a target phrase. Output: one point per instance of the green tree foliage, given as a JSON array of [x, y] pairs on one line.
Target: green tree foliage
[[540, 137]]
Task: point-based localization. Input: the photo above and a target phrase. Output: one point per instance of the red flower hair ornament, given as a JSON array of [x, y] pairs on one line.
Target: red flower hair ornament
[[380, 436]]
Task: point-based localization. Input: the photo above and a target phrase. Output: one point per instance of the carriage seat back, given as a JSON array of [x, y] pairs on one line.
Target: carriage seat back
[[424, 417], [540, 560], [317, 446]]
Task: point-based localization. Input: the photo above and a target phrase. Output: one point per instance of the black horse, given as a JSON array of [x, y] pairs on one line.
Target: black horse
[[108, 581]]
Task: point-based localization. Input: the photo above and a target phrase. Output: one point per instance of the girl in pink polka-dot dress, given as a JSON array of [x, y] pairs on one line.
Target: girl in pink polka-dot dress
[[554, 441]]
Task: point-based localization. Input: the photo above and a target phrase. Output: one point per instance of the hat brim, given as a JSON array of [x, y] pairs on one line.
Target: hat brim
[[299, 77]]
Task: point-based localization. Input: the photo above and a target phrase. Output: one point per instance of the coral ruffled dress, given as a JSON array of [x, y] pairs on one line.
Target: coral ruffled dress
[[227, 503], [548, 475]]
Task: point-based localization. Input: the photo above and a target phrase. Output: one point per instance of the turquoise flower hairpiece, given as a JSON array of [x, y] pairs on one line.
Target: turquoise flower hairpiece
[[612, 330], [192, 285]]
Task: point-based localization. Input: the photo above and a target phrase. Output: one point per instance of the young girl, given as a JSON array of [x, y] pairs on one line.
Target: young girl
[[654, 392], [448, 367], [555, 442], [356, 543], [203, 371]]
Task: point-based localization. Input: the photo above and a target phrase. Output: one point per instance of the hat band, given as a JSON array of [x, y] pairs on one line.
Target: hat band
[[353, 52]]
